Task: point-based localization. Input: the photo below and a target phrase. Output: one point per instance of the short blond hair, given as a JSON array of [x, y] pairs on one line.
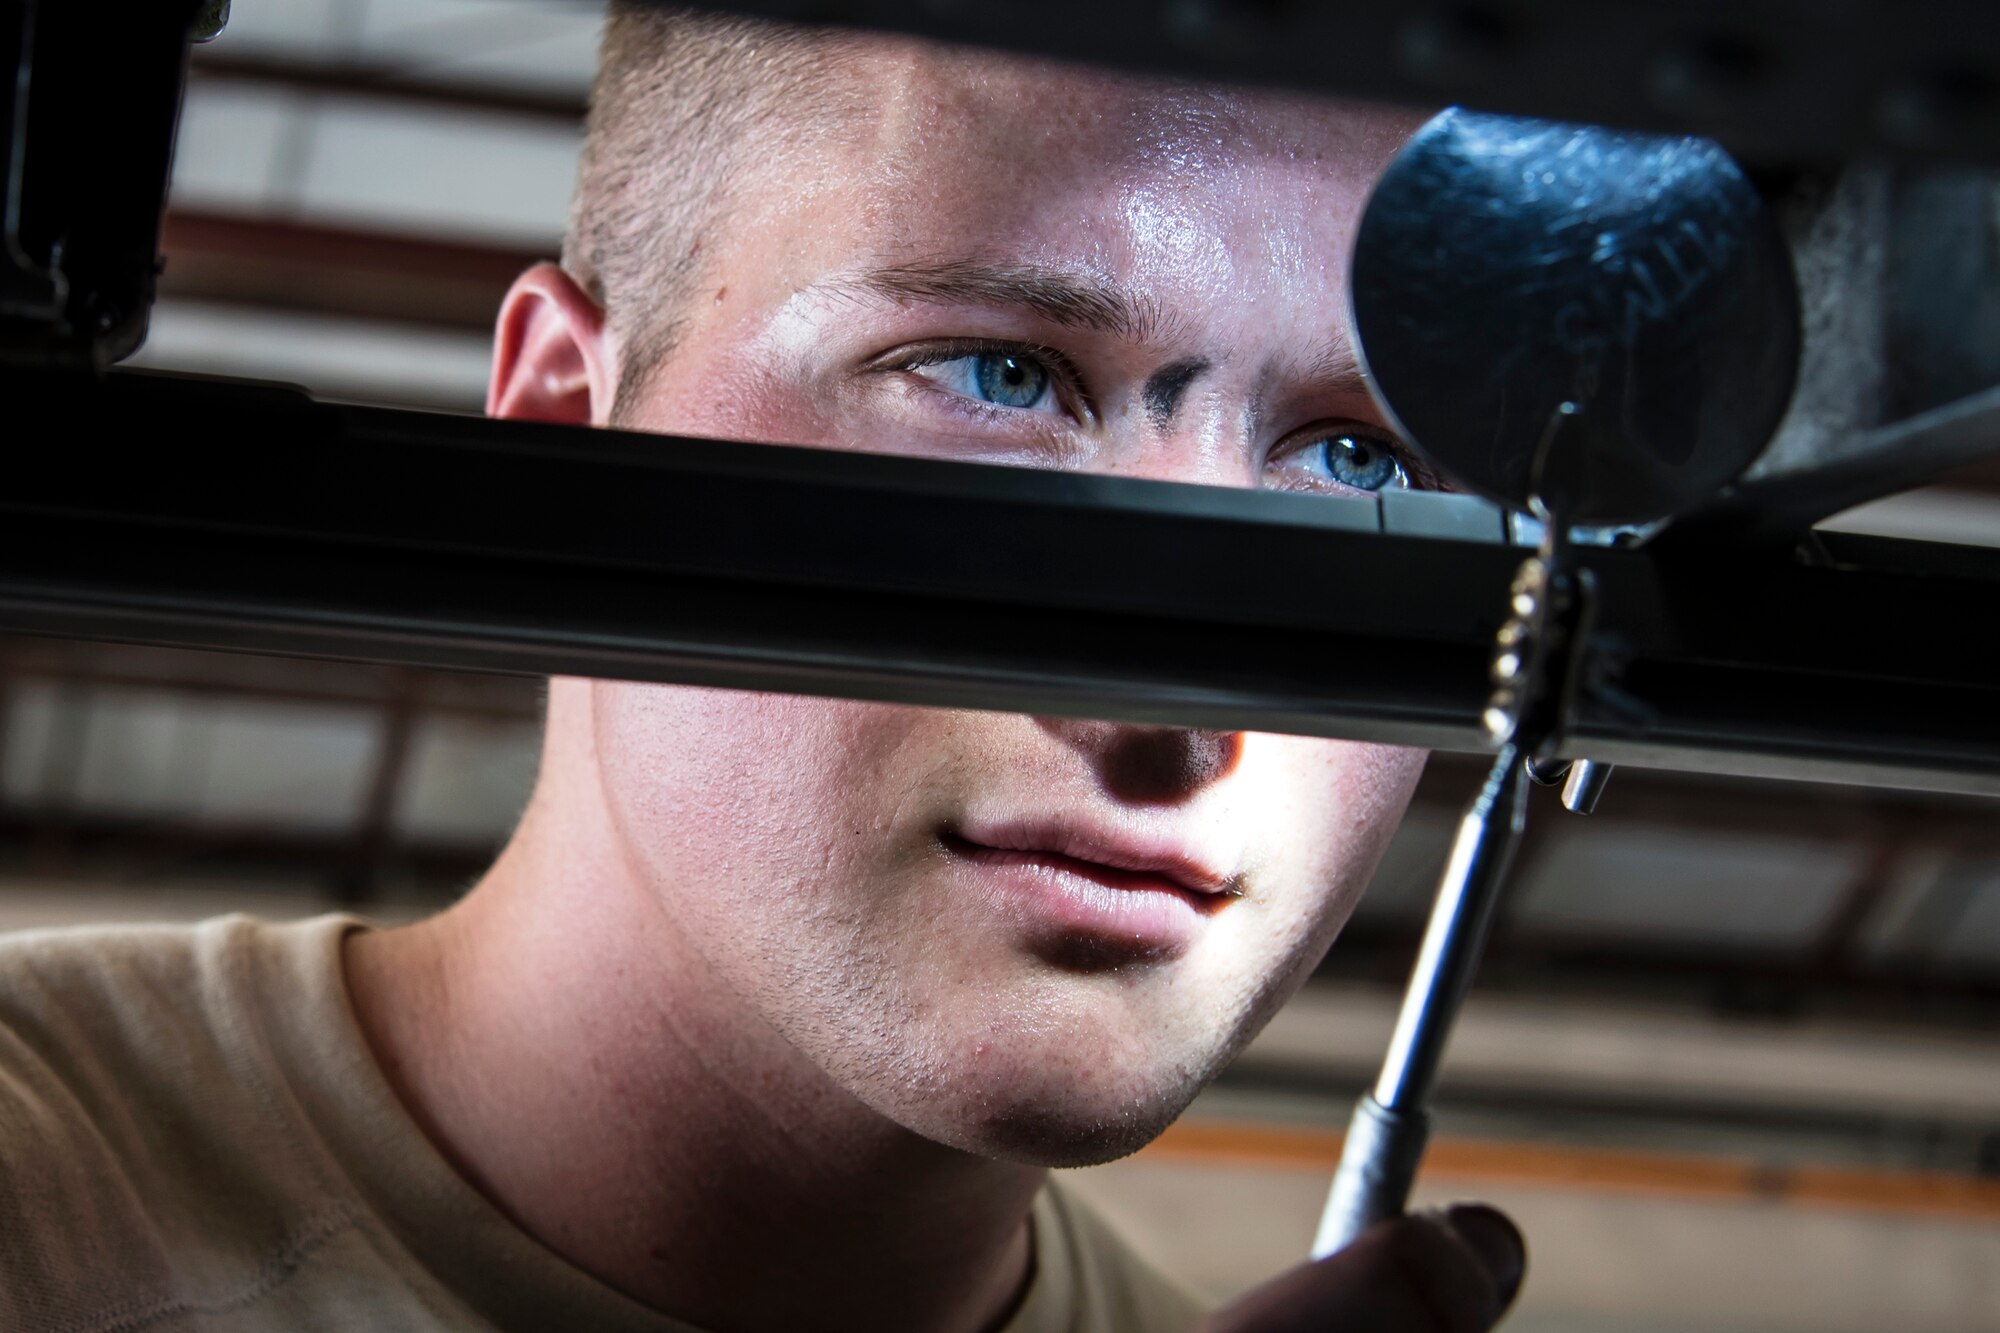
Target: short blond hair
[[680, 103]]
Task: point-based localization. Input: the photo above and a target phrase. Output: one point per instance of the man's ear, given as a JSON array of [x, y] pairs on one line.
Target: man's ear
[[552, 360]]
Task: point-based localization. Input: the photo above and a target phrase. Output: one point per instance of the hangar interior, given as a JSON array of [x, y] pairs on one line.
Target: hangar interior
[[1731, 1058]]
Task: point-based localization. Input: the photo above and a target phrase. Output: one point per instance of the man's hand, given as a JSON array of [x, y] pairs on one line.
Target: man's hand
[[1453, 1271]]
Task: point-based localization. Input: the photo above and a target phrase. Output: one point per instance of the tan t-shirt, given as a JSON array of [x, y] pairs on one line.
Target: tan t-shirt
[[194, 1135]]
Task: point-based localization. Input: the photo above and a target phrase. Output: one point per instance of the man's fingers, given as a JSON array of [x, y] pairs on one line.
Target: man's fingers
[[1454, 1271], [1503, 1255]]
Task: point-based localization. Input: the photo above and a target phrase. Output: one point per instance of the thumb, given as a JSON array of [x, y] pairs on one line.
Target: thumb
[[1453, 1271]]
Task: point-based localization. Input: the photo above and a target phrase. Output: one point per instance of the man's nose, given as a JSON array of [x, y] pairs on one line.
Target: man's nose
[[1206, 444], [1149, 765]]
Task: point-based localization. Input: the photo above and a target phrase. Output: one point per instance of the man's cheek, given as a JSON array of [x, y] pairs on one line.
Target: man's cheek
[[1323, 812], [724, 400], [733, 785], [1355, 792], [704, 784]]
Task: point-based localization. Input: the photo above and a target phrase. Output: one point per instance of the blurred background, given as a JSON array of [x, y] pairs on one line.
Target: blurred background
[[1733, 1062]]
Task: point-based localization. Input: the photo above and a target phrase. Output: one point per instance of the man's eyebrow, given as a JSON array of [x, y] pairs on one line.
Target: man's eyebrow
[[1334, 367], [1070, 299]]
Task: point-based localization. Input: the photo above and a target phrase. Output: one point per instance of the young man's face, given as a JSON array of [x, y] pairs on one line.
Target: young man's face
[[1023, 936]]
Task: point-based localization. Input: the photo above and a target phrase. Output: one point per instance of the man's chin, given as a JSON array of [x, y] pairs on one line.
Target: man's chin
[[1053, 1131], [1050, 1143]]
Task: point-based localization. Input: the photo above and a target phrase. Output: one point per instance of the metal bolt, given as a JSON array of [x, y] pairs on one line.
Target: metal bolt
[[209, 21], [1585, 786]]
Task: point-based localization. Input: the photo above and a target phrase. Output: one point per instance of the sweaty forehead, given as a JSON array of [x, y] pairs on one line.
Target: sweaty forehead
[[978, 157], [931, 95]]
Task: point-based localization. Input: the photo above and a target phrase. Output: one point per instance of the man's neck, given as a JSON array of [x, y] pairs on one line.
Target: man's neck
[[572, 1058]]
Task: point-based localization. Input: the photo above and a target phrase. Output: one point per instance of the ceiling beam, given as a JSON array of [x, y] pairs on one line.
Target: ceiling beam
[[314, 268], [1546, 1165], [349, 78]]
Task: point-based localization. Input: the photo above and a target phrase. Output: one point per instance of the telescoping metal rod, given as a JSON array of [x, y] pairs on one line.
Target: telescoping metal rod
[[1385, 1141]]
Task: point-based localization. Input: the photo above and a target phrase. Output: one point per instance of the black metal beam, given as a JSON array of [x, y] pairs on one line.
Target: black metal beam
[[1783, 81], [86, 145], [217, 514]]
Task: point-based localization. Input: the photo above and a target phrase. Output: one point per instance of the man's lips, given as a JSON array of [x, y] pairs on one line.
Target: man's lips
[[1119, 861], [1086, 898]]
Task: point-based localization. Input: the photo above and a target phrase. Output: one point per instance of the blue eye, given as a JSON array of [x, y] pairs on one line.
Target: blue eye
[[999, 375], [1009, 380], [1016, 378], [1364, 462]]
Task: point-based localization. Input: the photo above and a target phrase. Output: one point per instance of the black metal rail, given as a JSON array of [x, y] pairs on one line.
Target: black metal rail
[[1779, 81], [226, 515]]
